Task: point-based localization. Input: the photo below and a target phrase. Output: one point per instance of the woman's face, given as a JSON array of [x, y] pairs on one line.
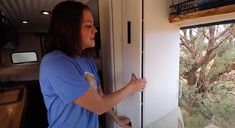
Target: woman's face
[[88, 30]]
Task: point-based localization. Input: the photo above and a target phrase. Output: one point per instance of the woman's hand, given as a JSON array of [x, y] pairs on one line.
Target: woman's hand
[[137, 84], [123, 122]]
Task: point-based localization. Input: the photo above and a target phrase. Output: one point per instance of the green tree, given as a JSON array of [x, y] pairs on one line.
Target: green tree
[[207, 53], [207, 71]]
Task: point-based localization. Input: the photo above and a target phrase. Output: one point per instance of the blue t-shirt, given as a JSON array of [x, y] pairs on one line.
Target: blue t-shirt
[[62, 80]]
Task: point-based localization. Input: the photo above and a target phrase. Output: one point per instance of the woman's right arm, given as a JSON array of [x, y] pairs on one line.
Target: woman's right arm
[[101, 104]]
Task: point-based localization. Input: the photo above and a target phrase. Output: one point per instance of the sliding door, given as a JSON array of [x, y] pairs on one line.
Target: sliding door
[[132, 56]]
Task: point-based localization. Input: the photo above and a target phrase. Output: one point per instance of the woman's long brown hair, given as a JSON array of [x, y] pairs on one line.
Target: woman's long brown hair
[[64, 32]]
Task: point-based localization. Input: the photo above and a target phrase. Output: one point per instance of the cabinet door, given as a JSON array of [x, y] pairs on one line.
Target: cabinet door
[[132, 56]]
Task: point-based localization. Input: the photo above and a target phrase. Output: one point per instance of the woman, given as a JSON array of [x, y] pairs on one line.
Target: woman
[[68, 77]]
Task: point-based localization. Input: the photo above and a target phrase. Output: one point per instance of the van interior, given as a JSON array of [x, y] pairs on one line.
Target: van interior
[[23, 28]]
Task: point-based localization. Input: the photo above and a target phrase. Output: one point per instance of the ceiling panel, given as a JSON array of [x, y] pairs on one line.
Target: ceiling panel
[[18, 10]]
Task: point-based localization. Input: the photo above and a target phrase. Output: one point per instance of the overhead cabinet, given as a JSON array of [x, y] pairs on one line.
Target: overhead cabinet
[[191, 9]]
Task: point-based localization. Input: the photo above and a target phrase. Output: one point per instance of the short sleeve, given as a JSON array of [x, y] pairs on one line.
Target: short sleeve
[[66, 80]]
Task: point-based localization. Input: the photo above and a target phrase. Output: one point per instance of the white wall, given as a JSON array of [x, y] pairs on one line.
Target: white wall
[[161, 61]]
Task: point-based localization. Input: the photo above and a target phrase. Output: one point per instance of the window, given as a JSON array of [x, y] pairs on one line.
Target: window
[[24, 57], [207, 74]]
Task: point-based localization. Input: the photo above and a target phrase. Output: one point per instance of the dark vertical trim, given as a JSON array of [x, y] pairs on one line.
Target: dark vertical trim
[[0, 56], [142, 64], [1, 85], [98, 9], [129, 32], [41, 44]]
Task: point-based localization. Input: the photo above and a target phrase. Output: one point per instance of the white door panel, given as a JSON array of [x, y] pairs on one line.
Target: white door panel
[[132, 46]]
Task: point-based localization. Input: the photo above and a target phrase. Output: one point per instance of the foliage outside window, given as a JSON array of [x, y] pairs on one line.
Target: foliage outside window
[[207, 73]]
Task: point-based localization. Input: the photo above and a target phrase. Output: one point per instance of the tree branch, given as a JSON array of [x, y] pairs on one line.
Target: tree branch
[[229, 28], [185, 42]]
